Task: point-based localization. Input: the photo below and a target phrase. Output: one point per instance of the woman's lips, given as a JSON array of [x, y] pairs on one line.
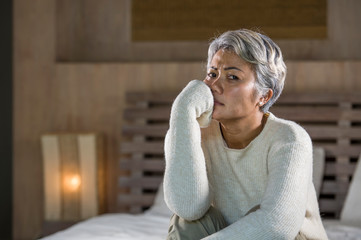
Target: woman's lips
[[216, 102]]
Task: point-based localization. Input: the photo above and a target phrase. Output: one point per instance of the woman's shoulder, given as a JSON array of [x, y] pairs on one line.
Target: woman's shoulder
[[287, 131]]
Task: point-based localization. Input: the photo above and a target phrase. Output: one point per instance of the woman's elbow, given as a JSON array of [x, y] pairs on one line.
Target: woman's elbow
[[189, 211]]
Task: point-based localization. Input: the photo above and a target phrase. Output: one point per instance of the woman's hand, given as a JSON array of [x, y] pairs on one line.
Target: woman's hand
[[196, 98]]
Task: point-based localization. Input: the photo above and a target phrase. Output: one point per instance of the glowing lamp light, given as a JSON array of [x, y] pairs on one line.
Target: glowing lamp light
[[72, 183]]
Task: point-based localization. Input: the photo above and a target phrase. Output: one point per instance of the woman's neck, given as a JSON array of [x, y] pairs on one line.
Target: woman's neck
[[238, 134]]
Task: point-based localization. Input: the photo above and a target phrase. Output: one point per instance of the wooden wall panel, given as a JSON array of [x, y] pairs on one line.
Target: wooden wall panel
[[92, 29], [323, 76], [34, 53]]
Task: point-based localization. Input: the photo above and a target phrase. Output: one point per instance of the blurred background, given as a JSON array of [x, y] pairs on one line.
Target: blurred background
[[67, 64]]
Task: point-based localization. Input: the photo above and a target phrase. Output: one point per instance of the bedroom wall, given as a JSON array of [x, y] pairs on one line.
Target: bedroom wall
[[86, 92]]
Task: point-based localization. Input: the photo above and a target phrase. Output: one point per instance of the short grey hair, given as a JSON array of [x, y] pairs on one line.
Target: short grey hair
[[262, 53]]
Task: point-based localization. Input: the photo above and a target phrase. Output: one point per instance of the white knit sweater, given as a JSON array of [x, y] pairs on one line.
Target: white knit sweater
[[273, 171]]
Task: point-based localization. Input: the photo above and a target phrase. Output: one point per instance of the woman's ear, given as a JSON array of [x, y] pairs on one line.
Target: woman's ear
[[265, 98]]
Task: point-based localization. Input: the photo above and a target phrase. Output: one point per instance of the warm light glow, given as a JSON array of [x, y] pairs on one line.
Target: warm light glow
[[72, 183]]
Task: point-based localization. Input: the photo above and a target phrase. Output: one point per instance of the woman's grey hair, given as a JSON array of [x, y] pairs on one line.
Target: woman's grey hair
[[262, 53]]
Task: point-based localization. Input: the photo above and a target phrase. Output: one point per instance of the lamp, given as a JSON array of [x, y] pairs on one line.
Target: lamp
[[73, 166]]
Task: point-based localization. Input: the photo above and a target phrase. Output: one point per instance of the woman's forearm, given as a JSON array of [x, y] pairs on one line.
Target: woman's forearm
[[185, 182]]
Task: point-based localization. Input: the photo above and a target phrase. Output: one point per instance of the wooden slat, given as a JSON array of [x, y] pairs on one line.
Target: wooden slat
[[158, 130], [138, 173], [332, 132], [144, 182], [335, 150], [330, 205], [333, 187], [150, 148], [322, 114], [327, 205], [339, 169], [160, 113], [343, 142], [145, 200], [164, 97], [306, 113], [317, 98], [351, 115], [144, 164]]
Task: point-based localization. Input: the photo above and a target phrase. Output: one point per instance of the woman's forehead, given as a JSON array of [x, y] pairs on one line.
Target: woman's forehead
[[227, 59]]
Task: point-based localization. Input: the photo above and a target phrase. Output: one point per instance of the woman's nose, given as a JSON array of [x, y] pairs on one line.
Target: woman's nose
[[214, 84], [207, 82]]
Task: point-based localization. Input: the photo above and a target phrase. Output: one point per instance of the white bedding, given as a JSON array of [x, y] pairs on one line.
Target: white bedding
[[117, 226], [338, 231], [154, 227]]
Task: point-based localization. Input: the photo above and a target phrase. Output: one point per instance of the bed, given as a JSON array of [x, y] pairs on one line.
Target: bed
[[152, 224], [332, 120]]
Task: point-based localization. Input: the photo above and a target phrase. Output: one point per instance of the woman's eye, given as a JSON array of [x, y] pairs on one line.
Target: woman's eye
[[212, 75], [233, 77]]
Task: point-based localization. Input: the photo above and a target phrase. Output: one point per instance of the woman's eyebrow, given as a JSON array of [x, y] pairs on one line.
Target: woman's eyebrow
[[230, 68], [227, 68]]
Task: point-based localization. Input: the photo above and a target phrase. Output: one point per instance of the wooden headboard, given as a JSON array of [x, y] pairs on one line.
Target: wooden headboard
[[332, 120]]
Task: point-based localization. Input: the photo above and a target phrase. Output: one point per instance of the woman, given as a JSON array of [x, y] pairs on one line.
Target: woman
[[247, 174]]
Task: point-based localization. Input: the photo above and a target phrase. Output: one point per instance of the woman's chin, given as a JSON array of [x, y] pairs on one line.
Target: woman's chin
[[215, 116]]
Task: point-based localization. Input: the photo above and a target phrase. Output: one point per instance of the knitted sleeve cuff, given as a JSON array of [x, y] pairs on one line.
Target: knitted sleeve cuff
[[195, 100]]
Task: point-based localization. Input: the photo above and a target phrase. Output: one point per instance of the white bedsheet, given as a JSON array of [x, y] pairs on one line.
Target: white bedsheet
[[154, 227], [117, 226], [339, 231]]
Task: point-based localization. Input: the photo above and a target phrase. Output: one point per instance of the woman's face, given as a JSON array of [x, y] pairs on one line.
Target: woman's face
[[232, 82]]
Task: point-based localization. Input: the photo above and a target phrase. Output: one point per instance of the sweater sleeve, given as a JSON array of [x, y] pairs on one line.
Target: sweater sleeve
[[283, 207], [186, 187]]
